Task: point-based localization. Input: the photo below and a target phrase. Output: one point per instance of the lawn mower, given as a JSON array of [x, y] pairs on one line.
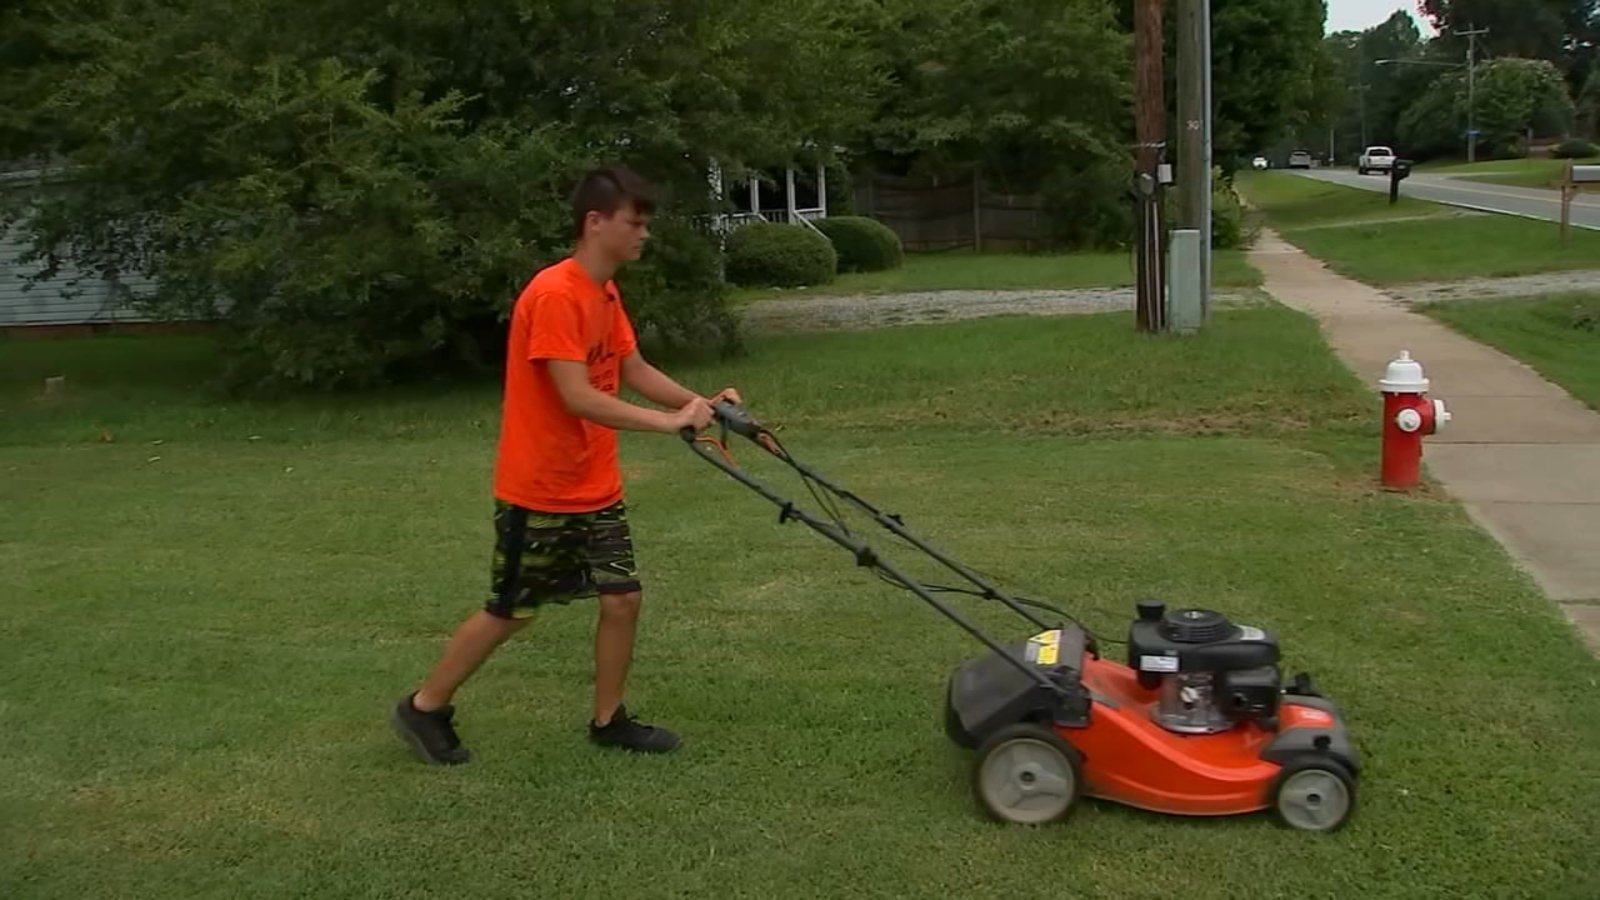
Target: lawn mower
[[1197, 722]]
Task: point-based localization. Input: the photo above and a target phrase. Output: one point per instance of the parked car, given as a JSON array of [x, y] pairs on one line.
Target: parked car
[[1300, 159], [1259, 162], [1375, 159]]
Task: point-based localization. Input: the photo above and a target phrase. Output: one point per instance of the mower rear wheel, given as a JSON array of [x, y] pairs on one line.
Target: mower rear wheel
[[1313, 794], [1027, 775]]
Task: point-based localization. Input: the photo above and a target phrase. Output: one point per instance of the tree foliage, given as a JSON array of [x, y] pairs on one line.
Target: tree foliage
[[1512, 96], [363, 187], [1563, 32], [1034, 93], [1374, 96], [1014, 86], [1265, 70], [1268, 75], [1588, 103]]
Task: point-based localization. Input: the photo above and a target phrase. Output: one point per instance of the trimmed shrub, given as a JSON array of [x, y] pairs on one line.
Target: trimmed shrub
[[1574, 148], [765, 254], [863, 244]]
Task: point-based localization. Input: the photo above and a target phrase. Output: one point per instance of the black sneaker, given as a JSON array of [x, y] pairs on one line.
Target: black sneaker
[[431, 735], [625, 731]]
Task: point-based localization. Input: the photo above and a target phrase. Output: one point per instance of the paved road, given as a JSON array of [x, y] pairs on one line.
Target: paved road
[[1535, 203]]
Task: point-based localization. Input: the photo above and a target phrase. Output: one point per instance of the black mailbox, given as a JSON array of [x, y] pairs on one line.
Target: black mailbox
[[1397, 174]]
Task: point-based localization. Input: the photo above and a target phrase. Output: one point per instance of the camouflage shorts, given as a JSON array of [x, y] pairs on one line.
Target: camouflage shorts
[[558, 557]]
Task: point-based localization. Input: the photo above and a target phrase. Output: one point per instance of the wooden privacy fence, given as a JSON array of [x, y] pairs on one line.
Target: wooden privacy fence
[[945, 214]]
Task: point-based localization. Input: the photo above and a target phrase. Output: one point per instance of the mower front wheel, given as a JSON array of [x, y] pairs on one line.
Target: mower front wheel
[[1313, 793], [1027, 775]]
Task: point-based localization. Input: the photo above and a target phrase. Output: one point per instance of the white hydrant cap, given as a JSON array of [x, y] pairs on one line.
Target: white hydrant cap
[[1404, 376]]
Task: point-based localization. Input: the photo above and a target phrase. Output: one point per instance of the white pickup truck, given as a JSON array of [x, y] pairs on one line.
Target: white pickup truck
[[1375, 159]]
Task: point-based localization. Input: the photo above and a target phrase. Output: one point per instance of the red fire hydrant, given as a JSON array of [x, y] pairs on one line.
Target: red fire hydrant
[[1408, 415]]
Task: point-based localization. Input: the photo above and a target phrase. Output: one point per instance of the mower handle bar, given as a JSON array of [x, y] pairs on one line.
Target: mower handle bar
[[736, 419], [733, 417]]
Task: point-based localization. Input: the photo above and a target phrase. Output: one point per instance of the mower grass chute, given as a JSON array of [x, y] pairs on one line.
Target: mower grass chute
[[1196, 721]]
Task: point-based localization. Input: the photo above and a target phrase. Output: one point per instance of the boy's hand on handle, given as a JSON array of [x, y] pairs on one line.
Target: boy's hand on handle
[[693, 416]]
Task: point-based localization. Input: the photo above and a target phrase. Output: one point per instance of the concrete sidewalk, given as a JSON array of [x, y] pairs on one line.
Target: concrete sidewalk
[[1521, 454]]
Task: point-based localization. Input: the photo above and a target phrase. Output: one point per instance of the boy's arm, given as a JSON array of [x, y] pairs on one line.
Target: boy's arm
[[653, 384], [658, 387], [583, 400]]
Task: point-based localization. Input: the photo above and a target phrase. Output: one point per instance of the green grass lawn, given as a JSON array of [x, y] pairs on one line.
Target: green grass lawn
[[962, 270], [1441, 246], [1540, 173], [1539, 331], [200, 636]]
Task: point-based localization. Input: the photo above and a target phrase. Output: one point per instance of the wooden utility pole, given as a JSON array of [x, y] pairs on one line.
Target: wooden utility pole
[[1150, 126], [1472, 103]]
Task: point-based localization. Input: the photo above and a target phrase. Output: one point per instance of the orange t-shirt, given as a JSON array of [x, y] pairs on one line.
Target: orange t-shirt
[[550, 460]]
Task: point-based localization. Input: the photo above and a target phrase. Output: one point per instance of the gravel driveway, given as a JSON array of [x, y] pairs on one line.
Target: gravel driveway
[[819, 313], [1490, 288]]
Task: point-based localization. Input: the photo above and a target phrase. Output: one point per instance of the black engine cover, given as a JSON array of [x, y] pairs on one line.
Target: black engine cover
[[1196, 641]]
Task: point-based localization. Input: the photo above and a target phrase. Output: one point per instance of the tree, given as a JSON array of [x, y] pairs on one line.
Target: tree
[[362, 188], [1390, 89], [1431, 125], [1266, 78], [1588, 104], [1517, 96], [1512, 97], [1011, 86], [1033, 93], [1265, 61], [1563, 32]]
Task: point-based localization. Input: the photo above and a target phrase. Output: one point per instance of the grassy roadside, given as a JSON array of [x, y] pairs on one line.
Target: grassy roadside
[[1291, 202], [962, 270], [1558, 335], [200, 635], [1359, 235], [1537, 173]]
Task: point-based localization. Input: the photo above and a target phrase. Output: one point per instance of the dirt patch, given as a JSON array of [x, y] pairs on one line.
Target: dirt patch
[[1356, 223]]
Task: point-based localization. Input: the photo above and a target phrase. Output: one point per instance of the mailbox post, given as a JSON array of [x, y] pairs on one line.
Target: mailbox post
[[1577, 176], [1397, 174]]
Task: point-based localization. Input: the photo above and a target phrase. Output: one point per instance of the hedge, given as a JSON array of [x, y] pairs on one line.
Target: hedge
[[765, 254], [863, 244]]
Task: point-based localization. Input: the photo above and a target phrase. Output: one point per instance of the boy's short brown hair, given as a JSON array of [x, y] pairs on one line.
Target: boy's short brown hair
[[605, 190]]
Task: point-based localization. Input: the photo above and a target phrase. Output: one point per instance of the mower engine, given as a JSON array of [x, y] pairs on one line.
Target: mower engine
[[1211, 673]]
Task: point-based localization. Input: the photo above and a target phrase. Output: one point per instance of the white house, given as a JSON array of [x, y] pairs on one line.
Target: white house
[[71, 297]]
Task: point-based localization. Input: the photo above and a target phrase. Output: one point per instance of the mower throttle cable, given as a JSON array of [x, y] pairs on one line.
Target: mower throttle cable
[[775, 446], [740, 423], [732, 417]]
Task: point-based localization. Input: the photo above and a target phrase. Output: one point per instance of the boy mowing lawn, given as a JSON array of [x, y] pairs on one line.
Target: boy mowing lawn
[[561, 528]]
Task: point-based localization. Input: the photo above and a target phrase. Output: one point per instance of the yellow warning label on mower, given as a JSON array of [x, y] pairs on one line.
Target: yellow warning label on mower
[[1045, 649]]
